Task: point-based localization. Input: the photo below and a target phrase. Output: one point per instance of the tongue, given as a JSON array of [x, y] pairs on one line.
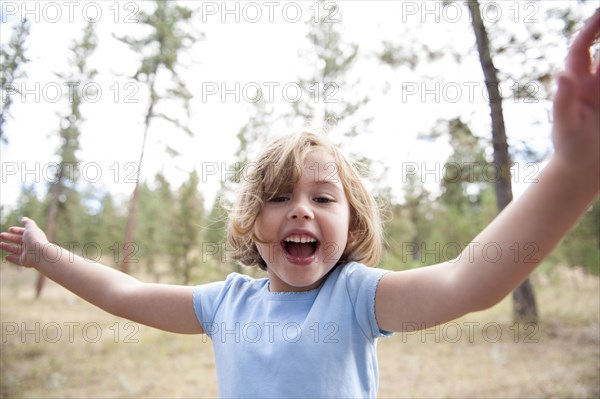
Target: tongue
[[300, 250]]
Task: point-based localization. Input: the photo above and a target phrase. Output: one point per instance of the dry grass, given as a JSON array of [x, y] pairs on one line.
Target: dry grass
[[466, 358]]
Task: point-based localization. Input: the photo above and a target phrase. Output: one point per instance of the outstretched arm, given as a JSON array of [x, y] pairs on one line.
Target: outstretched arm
[[167, 307], [533, 225]]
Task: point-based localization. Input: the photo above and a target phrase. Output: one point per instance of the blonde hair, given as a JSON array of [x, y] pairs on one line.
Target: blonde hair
[[276, 170]]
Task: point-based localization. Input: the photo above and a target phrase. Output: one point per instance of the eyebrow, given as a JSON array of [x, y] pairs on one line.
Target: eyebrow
[[336, 183]]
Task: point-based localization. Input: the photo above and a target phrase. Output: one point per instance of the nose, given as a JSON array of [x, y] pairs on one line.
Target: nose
[[300, 210]]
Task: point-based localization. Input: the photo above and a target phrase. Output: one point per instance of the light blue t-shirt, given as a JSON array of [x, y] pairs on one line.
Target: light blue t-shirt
[[319, 343]]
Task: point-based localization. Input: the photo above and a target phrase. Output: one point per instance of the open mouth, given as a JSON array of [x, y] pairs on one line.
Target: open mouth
[[300, 248]]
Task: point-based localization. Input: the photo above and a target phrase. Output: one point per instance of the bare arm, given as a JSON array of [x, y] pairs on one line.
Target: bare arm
[[167, 307], [528, 229]]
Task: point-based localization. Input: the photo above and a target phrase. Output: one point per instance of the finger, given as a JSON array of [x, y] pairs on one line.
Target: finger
[[14, 238], [578, 58], [13, 259], [16, 230], [10, 248], [25, 221]]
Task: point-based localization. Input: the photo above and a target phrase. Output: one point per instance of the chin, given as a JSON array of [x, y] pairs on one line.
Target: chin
[[306, 278]]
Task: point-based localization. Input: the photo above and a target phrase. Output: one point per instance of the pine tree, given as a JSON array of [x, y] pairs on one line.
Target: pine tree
[[156, 228], [162, 48], [530, 82], [525, 307], [63, 183], [108, 225], [328, 97], [251, 137], [28, 204], [189, 218], [12, 59]]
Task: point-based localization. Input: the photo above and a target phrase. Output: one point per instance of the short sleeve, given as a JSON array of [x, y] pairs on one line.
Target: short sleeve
[[206, 299], [362, 284]]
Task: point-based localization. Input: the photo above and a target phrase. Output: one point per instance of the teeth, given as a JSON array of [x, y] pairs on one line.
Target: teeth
[[302, 238]]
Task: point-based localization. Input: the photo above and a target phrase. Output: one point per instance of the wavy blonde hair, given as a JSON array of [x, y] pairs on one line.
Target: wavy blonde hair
[[276, 170]]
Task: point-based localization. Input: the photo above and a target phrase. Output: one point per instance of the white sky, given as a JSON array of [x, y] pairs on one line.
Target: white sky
[[250, 53]]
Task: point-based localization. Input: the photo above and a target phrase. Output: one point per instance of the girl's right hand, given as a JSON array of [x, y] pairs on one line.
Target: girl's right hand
[[25, 245]]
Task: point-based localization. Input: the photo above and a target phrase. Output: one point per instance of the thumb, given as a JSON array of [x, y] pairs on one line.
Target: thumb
[[25, 221]]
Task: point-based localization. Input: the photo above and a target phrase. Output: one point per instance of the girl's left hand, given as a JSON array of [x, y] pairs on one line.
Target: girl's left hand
[[25, 245], [576, 125]]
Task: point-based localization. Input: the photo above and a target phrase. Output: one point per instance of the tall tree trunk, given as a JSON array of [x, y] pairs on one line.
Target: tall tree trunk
[[129, 245], [524, 304]]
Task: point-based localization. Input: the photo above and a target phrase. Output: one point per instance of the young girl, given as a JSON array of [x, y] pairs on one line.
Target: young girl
[[310, 328]]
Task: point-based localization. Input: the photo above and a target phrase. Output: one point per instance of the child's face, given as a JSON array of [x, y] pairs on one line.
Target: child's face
[[305, 231]]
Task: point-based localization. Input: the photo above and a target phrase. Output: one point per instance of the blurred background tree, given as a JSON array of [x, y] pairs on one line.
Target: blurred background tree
[[13, 60], [63, 198], [168, 37]]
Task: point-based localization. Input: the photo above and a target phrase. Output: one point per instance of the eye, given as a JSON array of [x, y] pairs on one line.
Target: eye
[[279, 198], [323, 200]]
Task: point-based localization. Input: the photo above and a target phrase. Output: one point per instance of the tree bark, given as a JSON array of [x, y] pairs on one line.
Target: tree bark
[[524, 304], [129, 246]]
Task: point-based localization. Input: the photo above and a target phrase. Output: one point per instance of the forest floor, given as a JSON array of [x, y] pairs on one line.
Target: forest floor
[[60, 346]]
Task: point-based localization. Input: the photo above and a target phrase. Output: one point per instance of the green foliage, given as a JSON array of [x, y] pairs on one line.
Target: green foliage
[[70, 124], [215, 229], [408, 227], [463, 179], [12, 59], [171, 233], [189, 213], [255, 133], [423, 230], [62, 196], [154, 230], [28, 204], [106, 227], [581, 247], [467, 202], [327, 99], [72, 221], [161, 47], [173, 229]]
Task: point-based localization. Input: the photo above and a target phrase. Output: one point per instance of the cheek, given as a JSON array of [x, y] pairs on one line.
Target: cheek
[[260, 225], [261, 251], [257, 226], [265, 229], [351, 236], [269, 252], [350, 223], [331, 253]]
